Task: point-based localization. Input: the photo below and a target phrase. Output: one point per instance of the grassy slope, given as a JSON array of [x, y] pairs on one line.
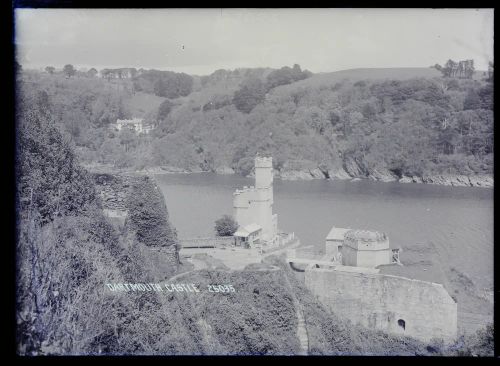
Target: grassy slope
[[395, 73], [225, 86], [142, 103]]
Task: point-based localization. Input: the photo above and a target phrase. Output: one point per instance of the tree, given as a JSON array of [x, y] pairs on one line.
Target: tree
[[50, 69], [127, 137], [164, 109], [69, 70], [148, 215], [92, 72], [251, 93], [490, 71], [226, 226], [472, 100]]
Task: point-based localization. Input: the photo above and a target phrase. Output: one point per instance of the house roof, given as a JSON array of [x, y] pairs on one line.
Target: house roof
[[127, 121], [247, 230], [337, 233]]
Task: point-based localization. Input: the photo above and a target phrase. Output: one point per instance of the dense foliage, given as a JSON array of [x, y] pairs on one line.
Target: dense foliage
[[412, 127], [286, 75], [148, 215], [225, 226], [164, 83], [49, 177]]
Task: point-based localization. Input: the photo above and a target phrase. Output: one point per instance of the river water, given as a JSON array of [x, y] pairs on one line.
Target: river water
[[457, 222]]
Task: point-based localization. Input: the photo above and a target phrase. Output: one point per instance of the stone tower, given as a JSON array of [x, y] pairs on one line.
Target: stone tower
[[255, 204]]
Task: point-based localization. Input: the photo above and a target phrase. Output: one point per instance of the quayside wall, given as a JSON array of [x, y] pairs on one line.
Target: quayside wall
[[397, 305]]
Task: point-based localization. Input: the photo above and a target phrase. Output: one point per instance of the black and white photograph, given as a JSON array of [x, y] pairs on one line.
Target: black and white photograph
[[254, 181]]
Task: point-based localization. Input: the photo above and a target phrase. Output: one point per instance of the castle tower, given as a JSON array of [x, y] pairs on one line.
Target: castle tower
[[264, 196], [255, 204]]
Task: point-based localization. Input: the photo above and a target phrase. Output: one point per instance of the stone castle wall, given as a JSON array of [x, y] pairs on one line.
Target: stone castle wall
[[379, 301]]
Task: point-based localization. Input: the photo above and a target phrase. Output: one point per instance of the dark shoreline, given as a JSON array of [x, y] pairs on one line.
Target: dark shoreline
[[476, 181]]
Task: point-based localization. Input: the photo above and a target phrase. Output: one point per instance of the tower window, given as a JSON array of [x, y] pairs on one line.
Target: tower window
[[402, 323]]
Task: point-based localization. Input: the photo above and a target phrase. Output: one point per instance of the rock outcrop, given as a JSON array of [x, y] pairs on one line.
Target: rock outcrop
[[354, 169], [460, 180], [383, 175], [295, 175], [224, 170]]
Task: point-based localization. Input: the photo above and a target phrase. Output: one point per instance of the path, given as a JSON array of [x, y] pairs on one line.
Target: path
[[301, 323]]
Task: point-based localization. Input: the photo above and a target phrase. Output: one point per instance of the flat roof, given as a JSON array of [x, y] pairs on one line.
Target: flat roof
[[247, 230], [337, 233]]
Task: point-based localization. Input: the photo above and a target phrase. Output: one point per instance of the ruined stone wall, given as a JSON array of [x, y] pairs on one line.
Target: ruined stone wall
[[113, 190], [379, 301], [116, 191]]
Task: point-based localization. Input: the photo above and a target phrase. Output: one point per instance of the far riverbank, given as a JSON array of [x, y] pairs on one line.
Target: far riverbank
[[456, 180]]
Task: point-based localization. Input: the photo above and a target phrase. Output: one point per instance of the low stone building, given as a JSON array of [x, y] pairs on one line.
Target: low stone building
[[363, 248], [366, 284], [334, 241], [249, 235]]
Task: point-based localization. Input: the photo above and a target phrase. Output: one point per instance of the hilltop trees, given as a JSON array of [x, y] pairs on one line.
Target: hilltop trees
[[92, 73], [408, 127], [164, 83], [69, 70], [286, 75], [462, 69]]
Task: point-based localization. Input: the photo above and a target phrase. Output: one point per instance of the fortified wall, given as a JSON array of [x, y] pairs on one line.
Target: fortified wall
[[116, 191], [393, 304]]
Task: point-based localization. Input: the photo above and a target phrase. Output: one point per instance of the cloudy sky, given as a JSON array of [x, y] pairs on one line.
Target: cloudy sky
[[202, 41]]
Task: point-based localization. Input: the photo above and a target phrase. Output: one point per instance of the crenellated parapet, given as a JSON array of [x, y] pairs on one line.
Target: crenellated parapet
[[263, 162]]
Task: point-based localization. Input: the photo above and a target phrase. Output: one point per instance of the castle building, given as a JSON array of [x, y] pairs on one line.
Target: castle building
[[254, 205], [363, 248], [367, 284], [334, 241]]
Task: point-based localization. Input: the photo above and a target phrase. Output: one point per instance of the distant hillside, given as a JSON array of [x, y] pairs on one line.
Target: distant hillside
[[353, 75], [383, 124], [221, 84]]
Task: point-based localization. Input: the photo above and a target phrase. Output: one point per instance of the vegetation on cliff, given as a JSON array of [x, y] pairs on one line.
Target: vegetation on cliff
[[66, 250], [321, 125], [148, 215]]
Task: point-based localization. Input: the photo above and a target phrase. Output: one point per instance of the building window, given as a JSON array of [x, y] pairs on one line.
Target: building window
[[402, 323]]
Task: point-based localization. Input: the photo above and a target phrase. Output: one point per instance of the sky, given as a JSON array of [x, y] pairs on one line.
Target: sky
[[200, 41]]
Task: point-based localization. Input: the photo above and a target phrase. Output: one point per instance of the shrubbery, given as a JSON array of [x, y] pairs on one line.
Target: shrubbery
[[148, 215], [225, 226]]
